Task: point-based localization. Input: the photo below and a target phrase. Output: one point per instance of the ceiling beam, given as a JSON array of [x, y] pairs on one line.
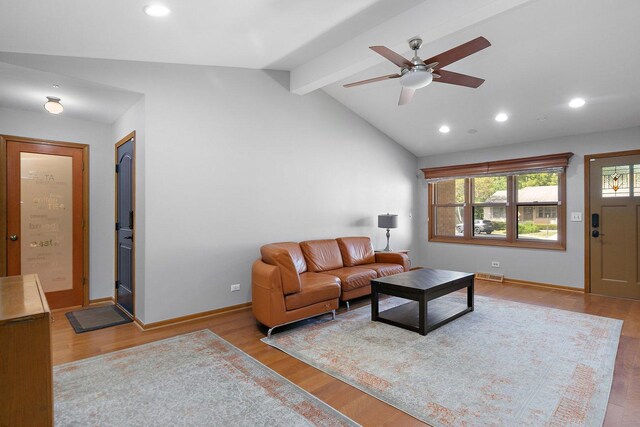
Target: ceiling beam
[[431, 20]]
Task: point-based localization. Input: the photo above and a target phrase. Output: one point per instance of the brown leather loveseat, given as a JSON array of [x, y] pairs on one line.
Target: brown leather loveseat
[[294, 281]]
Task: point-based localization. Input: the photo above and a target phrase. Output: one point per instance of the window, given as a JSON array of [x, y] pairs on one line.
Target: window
[[537, 202], [449, 207], [489, 206], [621, 181], [507, 203]]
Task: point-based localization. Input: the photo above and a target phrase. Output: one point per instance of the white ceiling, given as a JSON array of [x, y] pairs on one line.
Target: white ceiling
[[544, 53], [273, 34], [26, 89]]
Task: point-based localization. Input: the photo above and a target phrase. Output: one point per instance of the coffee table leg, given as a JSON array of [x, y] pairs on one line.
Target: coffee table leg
[[374, 302], [422, 315], [470, 295]]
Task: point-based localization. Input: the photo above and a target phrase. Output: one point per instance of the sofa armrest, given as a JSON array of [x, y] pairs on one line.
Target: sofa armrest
[[266, 276], [267, 297], [280, 257], [394, 258]]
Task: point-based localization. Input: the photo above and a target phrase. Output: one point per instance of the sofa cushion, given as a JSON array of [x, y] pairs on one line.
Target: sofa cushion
[[283, 255], [384, 270], [315, 287], [356, 251], [321, 255], [353, 277]]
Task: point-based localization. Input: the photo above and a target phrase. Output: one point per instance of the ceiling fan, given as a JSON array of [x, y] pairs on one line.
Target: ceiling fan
[[416, 74]]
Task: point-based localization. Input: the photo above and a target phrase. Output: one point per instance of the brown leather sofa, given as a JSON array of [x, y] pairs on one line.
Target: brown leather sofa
[[292, 281]]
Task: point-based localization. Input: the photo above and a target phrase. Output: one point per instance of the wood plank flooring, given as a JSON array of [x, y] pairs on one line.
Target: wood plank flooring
[[241, 329]]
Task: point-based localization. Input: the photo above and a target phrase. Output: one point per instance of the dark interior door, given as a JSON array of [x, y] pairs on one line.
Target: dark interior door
[[124, 226]]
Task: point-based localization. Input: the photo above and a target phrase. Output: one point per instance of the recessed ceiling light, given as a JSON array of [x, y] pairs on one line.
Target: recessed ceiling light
[[156, 10], [444, 129], [502, 117], [577, 102], [53, 105]]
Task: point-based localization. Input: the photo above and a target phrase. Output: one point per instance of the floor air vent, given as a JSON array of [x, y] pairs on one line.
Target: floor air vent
[[490, 277]]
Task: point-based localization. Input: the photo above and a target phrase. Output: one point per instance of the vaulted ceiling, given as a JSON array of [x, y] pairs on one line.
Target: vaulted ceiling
[[543, 53]]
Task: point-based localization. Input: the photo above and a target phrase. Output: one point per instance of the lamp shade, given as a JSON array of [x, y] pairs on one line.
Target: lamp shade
[[388, 221]]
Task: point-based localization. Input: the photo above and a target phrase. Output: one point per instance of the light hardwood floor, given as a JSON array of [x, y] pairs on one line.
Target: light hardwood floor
[[240, 329]]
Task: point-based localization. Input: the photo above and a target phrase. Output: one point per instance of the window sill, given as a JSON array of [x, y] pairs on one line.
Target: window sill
[[554, 246]]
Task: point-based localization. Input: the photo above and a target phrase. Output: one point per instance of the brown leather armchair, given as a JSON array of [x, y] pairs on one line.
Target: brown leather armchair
[[285, 292]]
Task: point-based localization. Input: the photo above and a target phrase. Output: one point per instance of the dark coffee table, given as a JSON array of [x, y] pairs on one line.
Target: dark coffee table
[[420, 286]]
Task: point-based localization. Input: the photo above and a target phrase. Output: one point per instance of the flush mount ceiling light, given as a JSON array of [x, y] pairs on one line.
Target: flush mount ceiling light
[[444, 129], [502, 117], [53, 105], [156, 10], [577, 102]]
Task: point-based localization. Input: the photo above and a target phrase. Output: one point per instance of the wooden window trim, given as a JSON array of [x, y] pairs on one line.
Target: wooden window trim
[[499, 167], [524, 165]]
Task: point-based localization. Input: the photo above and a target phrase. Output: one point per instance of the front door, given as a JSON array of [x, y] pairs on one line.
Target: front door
[[614, 199], [124, 224], [45, 217]]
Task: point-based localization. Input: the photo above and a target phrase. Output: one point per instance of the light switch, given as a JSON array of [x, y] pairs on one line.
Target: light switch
[[576, 216]]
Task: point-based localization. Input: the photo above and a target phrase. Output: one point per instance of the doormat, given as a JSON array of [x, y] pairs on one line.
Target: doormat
[[90, 319]]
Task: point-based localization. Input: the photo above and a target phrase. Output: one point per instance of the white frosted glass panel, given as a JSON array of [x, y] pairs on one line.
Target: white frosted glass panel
[[46, 219]]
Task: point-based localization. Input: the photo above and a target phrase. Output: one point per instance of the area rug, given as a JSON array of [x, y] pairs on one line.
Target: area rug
[[196, 379], [505, 364], [90, 319]]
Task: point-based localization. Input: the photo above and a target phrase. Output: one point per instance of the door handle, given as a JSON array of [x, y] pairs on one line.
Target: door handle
[[596, 233], [13, 237]]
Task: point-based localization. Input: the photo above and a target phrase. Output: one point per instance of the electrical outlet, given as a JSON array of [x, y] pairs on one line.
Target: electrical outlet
[[235, 287], [495, 264]]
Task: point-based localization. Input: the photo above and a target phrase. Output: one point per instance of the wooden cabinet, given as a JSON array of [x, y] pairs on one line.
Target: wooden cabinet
[[26, 376]]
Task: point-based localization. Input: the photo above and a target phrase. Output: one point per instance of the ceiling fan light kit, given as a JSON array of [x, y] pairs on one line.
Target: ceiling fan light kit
[[416, 78], [418, 73]]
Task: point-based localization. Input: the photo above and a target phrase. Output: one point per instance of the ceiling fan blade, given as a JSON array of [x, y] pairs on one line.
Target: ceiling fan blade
[[375, 79], [457, 53], [399, 60], [458, 79], [406, 95]]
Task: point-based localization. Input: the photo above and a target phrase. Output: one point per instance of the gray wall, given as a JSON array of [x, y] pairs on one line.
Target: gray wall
[[564, 268], [99, 138], [232, 161]]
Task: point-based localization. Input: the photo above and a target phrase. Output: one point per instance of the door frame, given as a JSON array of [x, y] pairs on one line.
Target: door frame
[[85, 204], [130, 136], [587, 208]]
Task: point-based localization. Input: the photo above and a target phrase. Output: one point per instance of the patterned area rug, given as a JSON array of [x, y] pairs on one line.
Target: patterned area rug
[[196, 379], [505, 364]]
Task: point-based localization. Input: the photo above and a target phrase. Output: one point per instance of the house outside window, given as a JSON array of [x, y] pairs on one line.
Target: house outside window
[[520, 204]]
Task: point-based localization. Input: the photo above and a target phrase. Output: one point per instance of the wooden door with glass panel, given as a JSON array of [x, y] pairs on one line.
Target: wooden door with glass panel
[[614, 198], [44, 218]]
